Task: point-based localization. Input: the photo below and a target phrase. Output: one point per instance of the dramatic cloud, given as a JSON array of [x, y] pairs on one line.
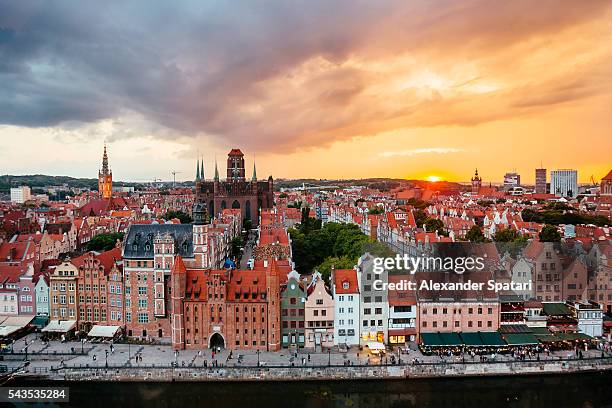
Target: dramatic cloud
[[278, 76]]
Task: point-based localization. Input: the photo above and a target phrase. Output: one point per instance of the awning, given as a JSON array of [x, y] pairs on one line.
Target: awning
[[520, 339], [431, 339], [492, 339], [12, 324], [374, 345], [556, 309], [59, 326], [546, 338], [450, 339], [471, 339], [103, 331], [573, 336], [406, 331], [515, 328], [441, 339], [40, 321], [540, 330]]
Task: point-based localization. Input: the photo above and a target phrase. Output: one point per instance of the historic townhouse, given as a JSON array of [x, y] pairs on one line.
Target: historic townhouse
[[345, 289], [41, 290], [457, 311], [63, 292], [522, 273], [374, 303], [402, 312], [293, 301], [100, 294], [148, 257], [559, 274], [319, 315]]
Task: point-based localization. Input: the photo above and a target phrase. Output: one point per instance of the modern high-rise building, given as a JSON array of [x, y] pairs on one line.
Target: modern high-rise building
[[21, 194], [540, 181], [512, 179], [105, 178], [564, 183]]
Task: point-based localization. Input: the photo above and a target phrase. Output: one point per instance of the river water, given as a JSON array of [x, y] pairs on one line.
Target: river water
[[591, 390]]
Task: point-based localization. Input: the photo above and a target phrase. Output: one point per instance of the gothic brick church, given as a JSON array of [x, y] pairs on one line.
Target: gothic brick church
[[235, 191]]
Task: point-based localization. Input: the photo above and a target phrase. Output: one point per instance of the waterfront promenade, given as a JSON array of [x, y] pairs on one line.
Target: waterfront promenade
[[131, 362]]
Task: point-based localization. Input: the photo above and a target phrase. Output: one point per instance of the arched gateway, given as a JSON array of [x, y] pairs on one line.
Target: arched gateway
[[216, 340]]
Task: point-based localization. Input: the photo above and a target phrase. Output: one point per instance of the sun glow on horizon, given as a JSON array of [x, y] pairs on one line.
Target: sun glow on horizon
[[433, 179]]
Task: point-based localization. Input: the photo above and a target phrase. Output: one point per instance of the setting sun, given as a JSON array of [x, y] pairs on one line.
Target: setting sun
[[433, 178]]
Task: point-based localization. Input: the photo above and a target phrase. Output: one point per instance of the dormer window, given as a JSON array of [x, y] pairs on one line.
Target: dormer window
[[345, 285]]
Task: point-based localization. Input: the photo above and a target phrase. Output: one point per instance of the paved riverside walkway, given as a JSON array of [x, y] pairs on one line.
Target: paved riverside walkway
[[55, 355]]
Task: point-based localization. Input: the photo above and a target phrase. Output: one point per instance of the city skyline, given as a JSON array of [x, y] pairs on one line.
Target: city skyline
[[398, 90]]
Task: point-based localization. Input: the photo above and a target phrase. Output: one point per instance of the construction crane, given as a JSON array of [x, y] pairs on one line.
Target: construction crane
[[174, 173]]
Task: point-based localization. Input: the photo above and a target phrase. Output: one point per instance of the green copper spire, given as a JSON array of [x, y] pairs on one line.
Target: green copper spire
[[198, 170], [202, 170], [216, 171], [254, 172]]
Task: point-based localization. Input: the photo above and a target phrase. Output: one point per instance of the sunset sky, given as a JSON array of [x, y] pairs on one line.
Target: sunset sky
[[323, 89]]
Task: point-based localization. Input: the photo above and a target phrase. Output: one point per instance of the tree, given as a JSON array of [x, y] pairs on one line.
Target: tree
[[104, 242], [184, 218], [475, 234], [420, 217], [237, 244], [550, 233], [297, 204], [434, 224], [307, 223], [247, 224], [505, 235], [376, 210], [313, 246], [335, 262], [417, 203]]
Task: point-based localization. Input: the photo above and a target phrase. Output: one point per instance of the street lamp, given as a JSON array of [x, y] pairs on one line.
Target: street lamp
[[106, 358], [257, 357], [329, 357], [82, 346]]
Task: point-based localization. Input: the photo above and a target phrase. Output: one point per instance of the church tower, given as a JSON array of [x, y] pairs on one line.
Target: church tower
[[105, 178], [235, 166], [476, 183]]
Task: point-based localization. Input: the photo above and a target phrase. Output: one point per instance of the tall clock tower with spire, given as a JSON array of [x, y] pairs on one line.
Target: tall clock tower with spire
[[105, 178]]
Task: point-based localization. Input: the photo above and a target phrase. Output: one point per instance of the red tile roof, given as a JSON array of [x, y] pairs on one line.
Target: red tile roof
[[342, 276]]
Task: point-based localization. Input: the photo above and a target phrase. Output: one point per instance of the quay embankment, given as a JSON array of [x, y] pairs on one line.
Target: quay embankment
[[319, 373]]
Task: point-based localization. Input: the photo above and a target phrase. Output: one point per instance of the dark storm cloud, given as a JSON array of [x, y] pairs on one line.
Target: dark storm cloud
[[206, 67]]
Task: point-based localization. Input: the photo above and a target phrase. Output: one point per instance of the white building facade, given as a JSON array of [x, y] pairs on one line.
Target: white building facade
[[21, 194], [564, 183], [345, 289]]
